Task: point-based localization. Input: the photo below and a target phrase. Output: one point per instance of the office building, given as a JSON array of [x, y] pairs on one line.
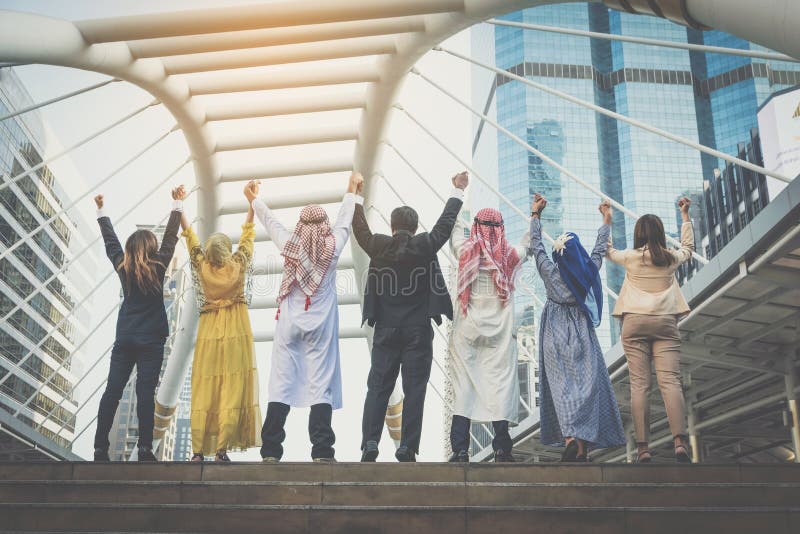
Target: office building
[[43, 322], [711, 99]]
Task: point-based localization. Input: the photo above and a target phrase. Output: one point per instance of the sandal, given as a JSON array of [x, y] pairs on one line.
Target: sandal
[[682, 454], [221, 457], [644, 457], [198, 457]]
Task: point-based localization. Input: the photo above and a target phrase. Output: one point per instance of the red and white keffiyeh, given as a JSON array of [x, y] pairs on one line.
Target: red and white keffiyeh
[[308, 253], [487, 247]]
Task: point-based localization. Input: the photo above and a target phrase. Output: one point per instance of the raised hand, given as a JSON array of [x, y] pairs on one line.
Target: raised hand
[[539, 204], [684, 204], [98, 201], [356, 183], [179, 193], [251, 190], [607, 211], [461, 180]]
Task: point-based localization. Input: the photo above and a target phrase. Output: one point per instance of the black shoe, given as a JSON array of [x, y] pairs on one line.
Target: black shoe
[[370, 452], [570, 452], [459, 457], [101, 455], [146, 455], [501, 456], [682, 454], [404, 454]]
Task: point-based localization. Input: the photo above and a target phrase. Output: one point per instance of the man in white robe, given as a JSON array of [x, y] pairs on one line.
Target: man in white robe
[[305, 367], [483, 351]]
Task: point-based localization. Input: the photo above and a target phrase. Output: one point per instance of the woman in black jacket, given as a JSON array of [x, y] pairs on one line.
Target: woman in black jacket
[[142, 327]]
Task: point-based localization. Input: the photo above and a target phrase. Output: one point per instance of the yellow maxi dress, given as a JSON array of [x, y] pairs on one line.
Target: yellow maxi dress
[[225, 410]]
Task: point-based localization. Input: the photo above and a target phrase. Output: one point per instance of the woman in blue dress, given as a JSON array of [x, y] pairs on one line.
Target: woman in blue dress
[[578, 406]]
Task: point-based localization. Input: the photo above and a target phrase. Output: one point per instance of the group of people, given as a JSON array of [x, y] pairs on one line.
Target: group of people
[[404, 290]]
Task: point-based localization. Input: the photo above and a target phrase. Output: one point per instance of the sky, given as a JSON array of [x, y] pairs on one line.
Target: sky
[[73, 119]]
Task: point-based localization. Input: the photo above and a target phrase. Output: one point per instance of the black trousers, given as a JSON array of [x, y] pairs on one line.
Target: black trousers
[[147, 356], [394, 350], [459, 435], [319, 430]]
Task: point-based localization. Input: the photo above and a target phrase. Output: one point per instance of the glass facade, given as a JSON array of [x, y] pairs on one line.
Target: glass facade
[[40, 329], [707, 98]]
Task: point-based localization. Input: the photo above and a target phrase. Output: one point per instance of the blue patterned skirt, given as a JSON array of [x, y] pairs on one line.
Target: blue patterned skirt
[[577, 399]]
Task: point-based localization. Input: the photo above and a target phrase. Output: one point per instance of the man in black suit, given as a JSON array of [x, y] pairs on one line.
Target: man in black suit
[[405, 289]]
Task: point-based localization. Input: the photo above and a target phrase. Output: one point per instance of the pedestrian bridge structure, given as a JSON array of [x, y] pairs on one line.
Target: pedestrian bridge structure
[[740, 354]]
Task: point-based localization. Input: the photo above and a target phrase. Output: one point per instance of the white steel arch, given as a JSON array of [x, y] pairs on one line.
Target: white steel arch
[[177, 56]]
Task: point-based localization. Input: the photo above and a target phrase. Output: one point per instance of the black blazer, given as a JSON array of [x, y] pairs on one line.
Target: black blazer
[[405, 285], [142, 315]]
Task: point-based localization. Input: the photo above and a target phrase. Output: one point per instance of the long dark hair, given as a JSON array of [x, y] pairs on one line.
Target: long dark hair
[[140, 261], [649, 233]]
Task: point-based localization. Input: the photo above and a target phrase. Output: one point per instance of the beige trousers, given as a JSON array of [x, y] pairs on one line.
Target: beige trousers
[[656, 337]]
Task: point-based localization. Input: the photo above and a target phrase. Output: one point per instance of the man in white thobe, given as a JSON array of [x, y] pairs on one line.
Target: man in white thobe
[[305, 352]]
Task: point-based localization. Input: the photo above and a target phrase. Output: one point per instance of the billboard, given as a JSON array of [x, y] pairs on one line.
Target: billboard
[[779, 127]]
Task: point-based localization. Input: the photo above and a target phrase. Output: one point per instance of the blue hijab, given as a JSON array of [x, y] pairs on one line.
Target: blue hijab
[[581, 276]]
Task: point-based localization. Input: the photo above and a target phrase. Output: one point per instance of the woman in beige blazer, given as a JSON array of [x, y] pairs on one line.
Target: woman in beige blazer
[[649, 305]]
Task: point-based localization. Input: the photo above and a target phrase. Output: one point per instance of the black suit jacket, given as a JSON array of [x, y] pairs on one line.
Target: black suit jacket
[[405, 285], [142, 315]]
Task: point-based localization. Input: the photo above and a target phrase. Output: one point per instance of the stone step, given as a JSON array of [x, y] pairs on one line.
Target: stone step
[[395, 472], [387, 498], [377, 494], [389, 520]]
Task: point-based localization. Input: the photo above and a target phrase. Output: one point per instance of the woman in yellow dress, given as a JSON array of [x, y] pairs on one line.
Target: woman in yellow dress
[[225, 412]]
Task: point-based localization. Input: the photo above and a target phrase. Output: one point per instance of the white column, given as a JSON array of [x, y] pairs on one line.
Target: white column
[[794, 419]]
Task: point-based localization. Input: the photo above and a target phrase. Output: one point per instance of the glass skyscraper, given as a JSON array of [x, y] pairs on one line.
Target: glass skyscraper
[[708, 98], [39, 334]]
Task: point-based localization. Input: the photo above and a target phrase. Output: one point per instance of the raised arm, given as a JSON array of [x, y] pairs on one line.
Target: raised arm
[[523, 249], [114, 249], [601, 245], [364, 236], [684, 254], [244, 252], [443, 228], [170, 239], [276, 231], [458, 237], [603, 234], [614, 255], [196, 252], [341, 227], [544, 264]]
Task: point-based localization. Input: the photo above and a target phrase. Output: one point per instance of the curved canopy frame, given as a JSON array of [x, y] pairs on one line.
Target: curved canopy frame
[[179, 56]]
